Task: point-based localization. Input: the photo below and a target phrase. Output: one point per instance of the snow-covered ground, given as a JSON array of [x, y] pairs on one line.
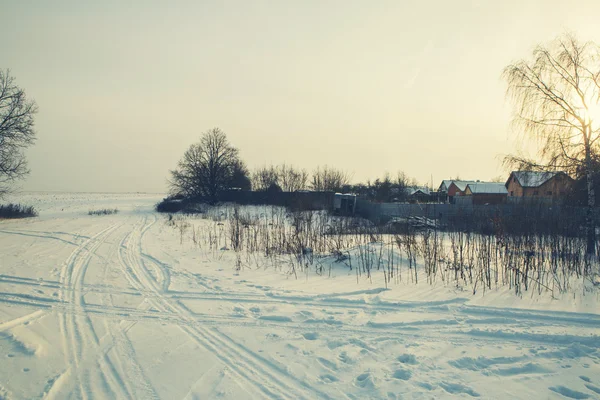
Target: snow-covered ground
[[119, 306]]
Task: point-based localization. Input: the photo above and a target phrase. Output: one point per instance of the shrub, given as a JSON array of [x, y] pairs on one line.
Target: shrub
[[169, 205], [17, 211], [172, 205]]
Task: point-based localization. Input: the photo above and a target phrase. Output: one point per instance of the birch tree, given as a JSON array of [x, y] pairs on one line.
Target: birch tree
[[555, 95]]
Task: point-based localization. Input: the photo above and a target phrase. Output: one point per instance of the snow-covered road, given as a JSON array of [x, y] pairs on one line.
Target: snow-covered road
[[119, 306]]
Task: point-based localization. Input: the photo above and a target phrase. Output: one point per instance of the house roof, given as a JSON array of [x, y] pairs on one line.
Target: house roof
[[417, 190], [445, 184], [460, 184], [532, 179], [487, 188]]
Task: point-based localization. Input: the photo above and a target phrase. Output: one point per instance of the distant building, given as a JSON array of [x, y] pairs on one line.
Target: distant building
[[419, 194], [452, 188], [534, 184], [486, 193]]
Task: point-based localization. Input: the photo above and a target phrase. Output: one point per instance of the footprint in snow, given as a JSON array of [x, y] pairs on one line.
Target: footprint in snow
[[593, 388], [402, 374], [311, 336], [570, 393], [238, 309], [458, 388], [365, 380], [407, 359], [345, 358], [327, 364], [328, 378], [426, 385]]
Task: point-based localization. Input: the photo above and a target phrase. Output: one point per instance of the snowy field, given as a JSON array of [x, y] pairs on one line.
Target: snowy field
[[127, 306]]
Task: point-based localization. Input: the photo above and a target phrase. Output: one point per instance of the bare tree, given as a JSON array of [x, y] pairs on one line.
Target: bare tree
[[402, 184], [328, 179], [287, 178], [16, 131], [264, 177], [207, 167], [556, 97], [291, 179]]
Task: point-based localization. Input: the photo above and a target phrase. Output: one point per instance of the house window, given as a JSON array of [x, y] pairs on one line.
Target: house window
[[549, 193], [512, 193], [535, 192]]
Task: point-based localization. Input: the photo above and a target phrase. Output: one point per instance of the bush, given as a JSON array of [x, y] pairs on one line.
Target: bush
[[17, 211], [104, 211], [169, 205], [175, 204]]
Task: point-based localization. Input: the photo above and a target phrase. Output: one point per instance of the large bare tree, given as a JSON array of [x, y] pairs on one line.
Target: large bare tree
[[16, 131], [556, 101], [328, 179], [207, 167]]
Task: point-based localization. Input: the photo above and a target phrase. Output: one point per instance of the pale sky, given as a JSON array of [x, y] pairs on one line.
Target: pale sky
[[124, 87]]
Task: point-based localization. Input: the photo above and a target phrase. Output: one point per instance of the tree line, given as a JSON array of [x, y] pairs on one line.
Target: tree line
[[213, 165]]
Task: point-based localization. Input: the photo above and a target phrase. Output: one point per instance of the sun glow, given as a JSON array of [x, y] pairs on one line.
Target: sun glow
[[592, 115], [591, 112]]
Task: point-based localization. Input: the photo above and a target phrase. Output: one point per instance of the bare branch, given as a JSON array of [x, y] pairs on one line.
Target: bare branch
[[16, 130]]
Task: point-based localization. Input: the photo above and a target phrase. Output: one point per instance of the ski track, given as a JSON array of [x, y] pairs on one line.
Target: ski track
[[108, 365]]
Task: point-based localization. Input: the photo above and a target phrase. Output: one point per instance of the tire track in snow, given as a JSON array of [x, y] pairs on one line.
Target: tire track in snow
[[24, 320], [77, 330], [549, 318], [43, 236], [443, 331], [142, 281], [136, 382], [265, 379], [436, 331], [443, 325]]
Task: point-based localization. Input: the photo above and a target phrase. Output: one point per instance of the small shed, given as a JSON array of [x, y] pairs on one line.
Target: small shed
[[344, 204]]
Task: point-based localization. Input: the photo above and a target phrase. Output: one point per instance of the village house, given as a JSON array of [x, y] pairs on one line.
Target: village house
[[419, 195], [486, 193], [452, 188], [535, 184]]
